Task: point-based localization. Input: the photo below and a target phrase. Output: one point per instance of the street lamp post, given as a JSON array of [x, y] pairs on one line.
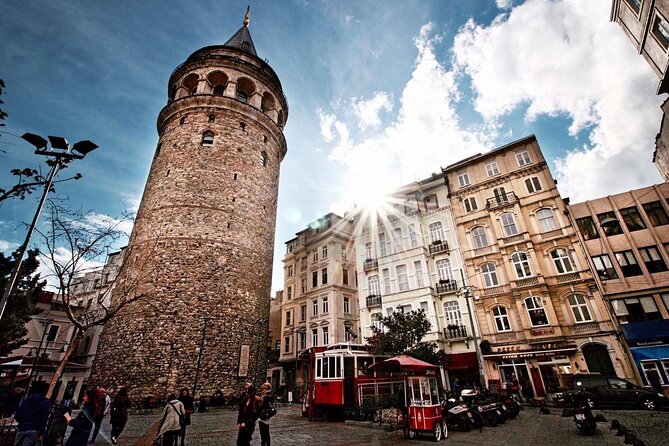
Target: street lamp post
[[199, 355], [466, 291], [61, 154]]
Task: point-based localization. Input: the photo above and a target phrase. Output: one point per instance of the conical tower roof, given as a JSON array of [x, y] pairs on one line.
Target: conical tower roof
[[242, 38]]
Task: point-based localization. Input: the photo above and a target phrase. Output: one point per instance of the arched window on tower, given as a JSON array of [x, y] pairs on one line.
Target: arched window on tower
[[267, 102], [245, 88], [190, 83], [263, 158], [208, 138], [218, 81], [279, 119]]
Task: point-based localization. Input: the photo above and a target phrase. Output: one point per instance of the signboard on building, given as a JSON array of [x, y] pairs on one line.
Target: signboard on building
[[244, 354]]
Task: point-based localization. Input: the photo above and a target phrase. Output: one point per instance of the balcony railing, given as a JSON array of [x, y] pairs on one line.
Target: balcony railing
[[447, 286], [455, 332], [568, 277], [500, 201], [370, 264], [373, 300], [438, 246], [588, 327]]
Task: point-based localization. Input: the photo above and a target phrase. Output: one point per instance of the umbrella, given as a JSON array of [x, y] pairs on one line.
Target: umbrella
[[403, 363]]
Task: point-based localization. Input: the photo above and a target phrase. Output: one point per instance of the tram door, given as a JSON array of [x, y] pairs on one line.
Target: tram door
[[349, 382]]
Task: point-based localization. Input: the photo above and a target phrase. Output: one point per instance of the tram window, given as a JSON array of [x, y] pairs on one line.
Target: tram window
[[363, 365]]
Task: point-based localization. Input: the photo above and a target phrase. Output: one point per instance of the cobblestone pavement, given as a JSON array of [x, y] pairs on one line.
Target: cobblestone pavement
[[288, 428], [651, 427]]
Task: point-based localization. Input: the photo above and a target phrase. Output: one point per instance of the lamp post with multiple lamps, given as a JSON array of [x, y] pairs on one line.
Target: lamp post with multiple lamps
[[60, 154], [466, 292]]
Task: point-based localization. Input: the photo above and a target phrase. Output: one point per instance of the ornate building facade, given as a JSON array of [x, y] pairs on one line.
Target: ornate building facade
[[540, 312], [202, 244]]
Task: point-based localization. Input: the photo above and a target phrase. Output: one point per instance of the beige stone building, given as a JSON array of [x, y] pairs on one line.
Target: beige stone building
[[646, 24], [541, 315], [626, 237], [408, 258], [203, 239], [319, 303]]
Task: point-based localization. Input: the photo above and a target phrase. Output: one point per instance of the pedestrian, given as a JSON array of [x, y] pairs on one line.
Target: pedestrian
[[104, 403], [202, 405], [526, 386], [83, 423], [249, 407], [456, 387], [170, 423], [119, 413], [515, 387], [187, 400], [32, 416], [267, 411]]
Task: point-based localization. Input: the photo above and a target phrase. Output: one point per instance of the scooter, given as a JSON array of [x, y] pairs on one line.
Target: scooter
[[491, 412], [585, 421], [511, 406], [458, 415]]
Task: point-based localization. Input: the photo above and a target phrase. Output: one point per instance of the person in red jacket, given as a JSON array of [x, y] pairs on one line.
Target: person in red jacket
[[249, 408]]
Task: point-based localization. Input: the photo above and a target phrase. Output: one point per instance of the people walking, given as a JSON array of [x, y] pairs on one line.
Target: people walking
[[32, 416], [170, 423], [83, 423], [187, 400], [267, 411], [104, 403], [247, 416], [119, 413]]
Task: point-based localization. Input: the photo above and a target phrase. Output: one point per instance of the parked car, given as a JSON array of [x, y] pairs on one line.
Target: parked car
[[602, 390]]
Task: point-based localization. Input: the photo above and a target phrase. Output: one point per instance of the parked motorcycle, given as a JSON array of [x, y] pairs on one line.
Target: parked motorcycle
[[458, 415], [584, 419], [490, 411]]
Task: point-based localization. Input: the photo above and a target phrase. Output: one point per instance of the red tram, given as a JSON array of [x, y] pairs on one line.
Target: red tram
[[337, 378]]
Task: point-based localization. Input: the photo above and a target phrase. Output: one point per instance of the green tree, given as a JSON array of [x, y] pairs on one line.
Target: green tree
[[402, 334], [21, 303]]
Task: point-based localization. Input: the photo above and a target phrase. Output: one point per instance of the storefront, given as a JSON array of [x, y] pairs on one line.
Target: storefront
[[464, 368], [649, 344], [540, 370]]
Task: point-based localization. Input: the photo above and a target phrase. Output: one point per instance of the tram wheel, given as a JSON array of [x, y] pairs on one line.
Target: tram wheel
[[437, 432], [412, 433], [444, 429]]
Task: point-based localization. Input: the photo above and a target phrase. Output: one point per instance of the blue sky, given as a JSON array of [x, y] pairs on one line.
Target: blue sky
[[380, 93]]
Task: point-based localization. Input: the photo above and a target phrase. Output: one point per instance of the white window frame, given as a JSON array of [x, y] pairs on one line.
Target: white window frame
[[326, 335], [436, 231], [314, 307], [546, 220], [489, 271], [452, 313], [413, 235], [373, 285], [397, 240], [325, 305], [501, 317], [347, 305], [324, 252], [534, 303], [386, 282], [402, 278], [314, 337], [382, 244], [470, 204], [480, 238], [523, 158], [492, 169], [444, 271], [579, 308], [525, 269], [533, 184], [420, 279], [463, 178], [562, 260], [508, 222]]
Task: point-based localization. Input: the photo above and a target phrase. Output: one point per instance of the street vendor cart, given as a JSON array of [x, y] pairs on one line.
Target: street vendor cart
[[422, 408]]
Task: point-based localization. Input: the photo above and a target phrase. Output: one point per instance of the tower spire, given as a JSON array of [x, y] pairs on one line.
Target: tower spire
[[247, 17]]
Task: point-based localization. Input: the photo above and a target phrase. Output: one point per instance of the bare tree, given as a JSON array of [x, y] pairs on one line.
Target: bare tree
[[76, 242]]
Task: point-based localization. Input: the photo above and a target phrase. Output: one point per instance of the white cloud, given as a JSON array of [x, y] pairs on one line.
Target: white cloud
[[367, 111], [105, 221], [6, 246], [565, 57], [504, 4], [62, 256], [424, 135]]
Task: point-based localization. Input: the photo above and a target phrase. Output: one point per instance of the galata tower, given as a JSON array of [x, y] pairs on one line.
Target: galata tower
[[201, 249]]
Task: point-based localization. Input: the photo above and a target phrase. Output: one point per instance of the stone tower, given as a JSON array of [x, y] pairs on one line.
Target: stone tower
[[203, 239]]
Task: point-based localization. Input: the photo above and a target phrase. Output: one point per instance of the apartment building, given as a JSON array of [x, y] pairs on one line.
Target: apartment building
[[541, 315], [408, 258], [626, 237], [319, 302], [646, 25]]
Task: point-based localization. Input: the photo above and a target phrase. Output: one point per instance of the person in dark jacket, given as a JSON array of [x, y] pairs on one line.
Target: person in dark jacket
[[264, 420], [119, 413], [104, 402], [187, 400], [247, 416], [83, 424], [32, 416]]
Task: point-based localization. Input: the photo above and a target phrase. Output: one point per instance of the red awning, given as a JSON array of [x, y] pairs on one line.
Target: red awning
[[461, 361], [404, 363]]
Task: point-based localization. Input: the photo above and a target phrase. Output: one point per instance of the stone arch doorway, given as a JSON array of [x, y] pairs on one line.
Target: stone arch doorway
[[598, 359]]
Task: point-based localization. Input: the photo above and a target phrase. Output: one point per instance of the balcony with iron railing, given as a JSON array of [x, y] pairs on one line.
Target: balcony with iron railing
[[370, 265], [500, 201], [453, 332], [438, 246], [446, 286], [373, 300]]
